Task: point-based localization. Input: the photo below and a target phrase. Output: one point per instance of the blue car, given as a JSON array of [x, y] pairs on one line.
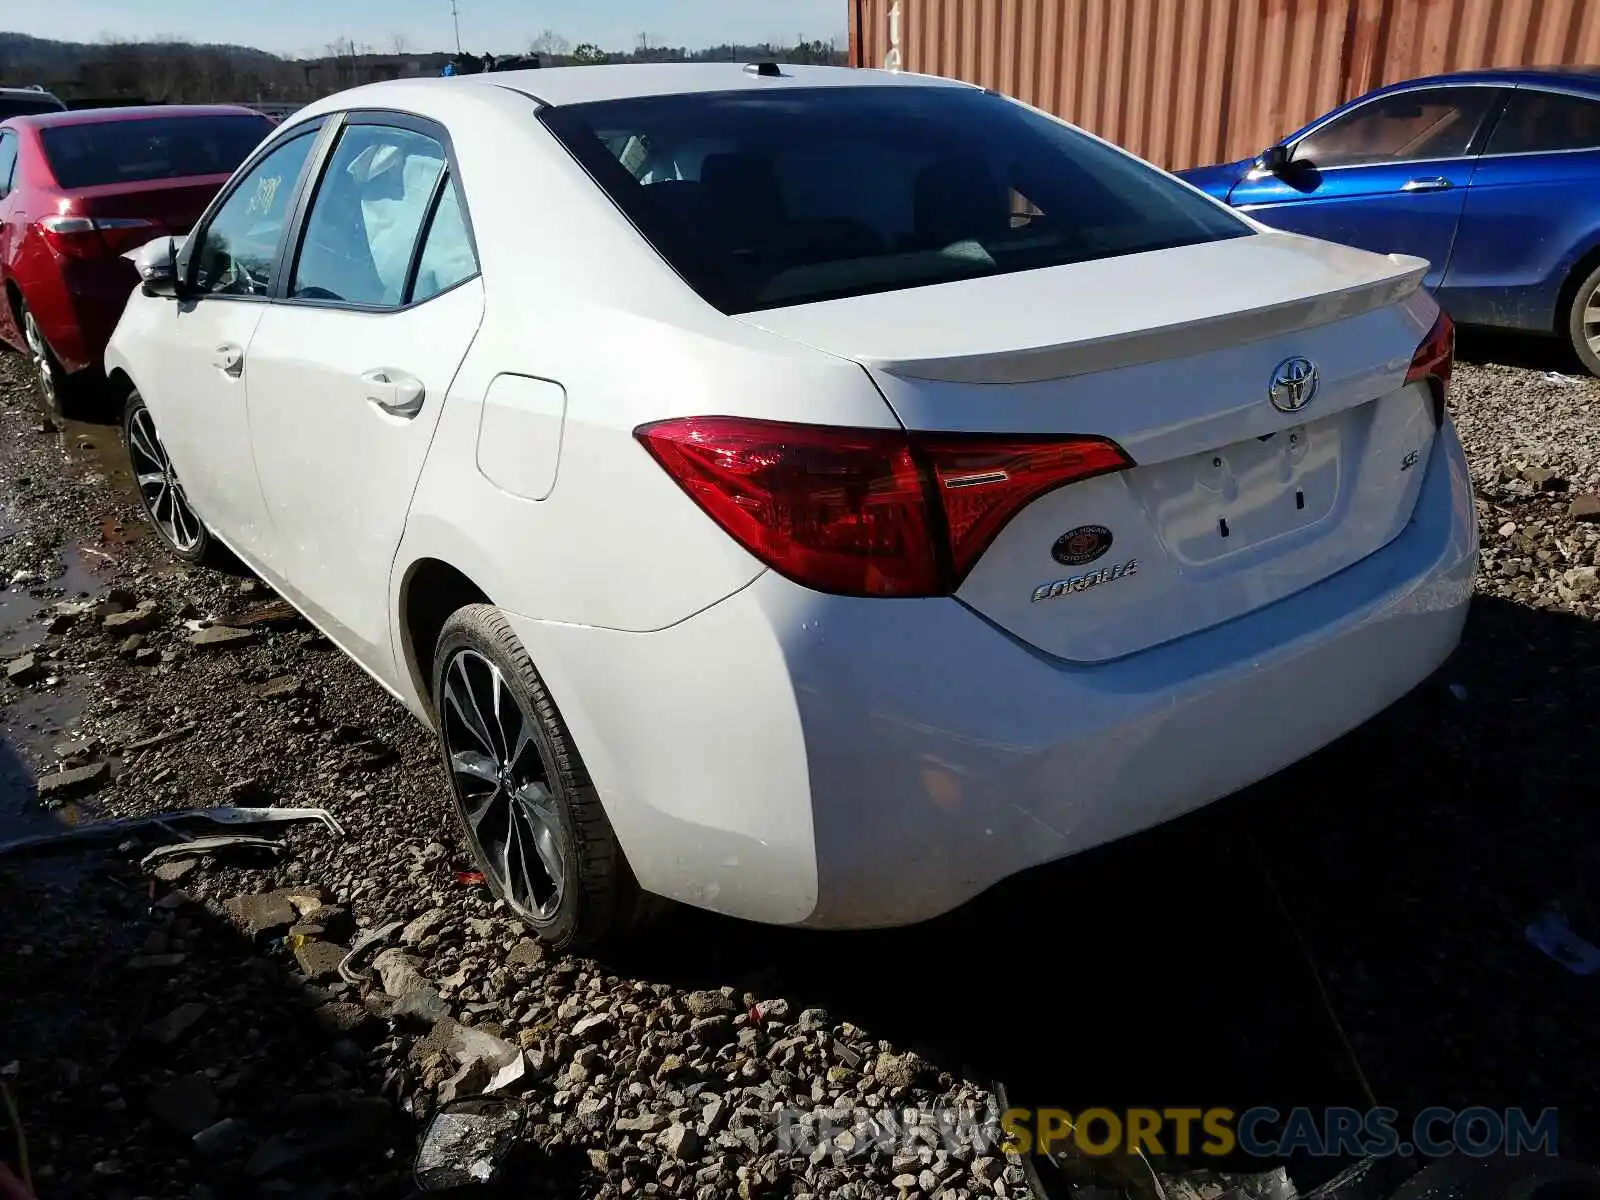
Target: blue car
[[1492, 176]]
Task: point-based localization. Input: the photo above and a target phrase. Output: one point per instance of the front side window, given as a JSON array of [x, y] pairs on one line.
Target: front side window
[[1429, 124], [367, 215], [237, 252], [802, 194], [143, 149], [1535, 122]]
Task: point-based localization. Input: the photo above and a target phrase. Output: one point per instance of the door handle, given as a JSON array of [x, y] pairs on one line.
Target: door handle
[[1437, 183], [394, 392], [229, 360]]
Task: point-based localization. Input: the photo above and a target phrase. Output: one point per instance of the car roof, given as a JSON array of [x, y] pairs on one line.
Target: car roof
[[141, 112], [1586, 76], [558, 86]]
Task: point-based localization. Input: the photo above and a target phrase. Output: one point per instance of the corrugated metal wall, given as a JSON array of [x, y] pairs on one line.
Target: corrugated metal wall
[[1186, 82]]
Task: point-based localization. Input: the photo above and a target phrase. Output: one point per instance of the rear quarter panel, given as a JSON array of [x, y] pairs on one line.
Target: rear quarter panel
[[1529, 220], [577, 299]]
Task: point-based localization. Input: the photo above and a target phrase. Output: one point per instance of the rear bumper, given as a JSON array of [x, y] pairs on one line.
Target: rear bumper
[[796, 758], [78, 304], [97, 292]]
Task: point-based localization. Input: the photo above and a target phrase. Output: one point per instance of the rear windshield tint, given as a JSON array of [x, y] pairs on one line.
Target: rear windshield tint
[[28, 106], [150, 148], [803, 194]]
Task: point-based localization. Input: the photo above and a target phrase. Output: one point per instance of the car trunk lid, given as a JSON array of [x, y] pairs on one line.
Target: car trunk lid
[[1232, 503], [171, 205]]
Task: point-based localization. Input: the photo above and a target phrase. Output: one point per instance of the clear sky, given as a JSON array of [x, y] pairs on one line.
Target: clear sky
[[495, 26]]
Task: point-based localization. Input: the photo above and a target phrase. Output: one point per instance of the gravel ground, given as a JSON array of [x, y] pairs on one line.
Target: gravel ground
[[1350, 929]]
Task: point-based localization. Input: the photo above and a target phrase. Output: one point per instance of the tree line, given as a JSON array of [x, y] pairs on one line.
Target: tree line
[[177, 72]]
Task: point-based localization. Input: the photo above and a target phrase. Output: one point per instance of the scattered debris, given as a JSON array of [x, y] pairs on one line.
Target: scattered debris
[[467, 1144], [370, 940], [274, 613], [175, 1024], [72, 782], [226, 1137], [201, 847], [140, 620], [217, 637], [165, 738], [267, 912], [319, 961], [226, 815]]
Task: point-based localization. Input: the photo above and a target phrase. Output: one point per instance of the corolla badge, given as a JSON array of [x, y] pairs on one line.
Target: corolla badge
[[1294, 383], [1082, 583]]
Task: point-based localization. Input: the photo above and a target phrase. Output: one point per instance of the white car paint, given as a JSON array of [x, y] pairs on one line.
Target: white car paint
[[770, 751]]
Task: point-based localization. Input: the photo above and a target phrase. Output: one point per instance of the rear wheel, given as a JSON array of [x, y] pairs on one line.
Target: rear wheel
[[1583, 322], [161, 492], [56, 388], [534, 820]]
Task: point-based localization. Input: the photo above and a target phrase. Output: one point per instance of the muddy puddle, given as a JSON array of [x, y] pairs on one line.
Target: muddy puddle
[[45, 713]]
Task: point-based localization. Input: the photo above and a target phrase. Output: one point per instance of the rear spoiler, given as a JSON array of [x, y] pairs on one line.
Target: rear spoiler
[[1037, 363]]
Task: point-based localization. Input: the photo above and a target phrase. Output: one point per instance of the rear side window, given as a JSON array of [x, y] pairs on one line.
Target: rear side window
[[28, 106], [801, 194], [136, 151], [447, 254], [1404, 127], [1543, 121], [368, 212], [8, 160]]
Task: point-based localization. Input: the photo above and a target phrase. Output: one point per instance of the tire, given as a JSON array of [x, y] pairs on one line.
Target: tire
[[588, 896], [161, 494], [1583, 322], [58, 391]]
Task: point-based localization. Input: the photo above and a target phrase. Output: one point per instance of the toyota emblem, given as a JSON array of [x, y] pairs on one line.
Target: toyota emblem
[[1294, 383]]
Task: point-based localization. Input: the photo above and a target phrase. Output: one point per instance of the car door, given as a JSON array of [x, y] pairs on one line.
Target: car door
[[1530, 213], [1389, 175], [348, 372], [9, 234], [191, 351]]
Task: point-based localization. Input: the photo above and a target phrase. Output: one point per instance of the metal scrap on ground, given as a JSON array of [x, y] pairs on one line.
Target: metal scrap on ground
[[228, 815]]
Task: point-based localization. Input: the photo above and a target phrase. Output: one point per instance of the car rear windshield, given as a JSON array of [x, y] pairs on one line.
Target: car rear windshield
[[138, 150], [28, 106], [803, 194]]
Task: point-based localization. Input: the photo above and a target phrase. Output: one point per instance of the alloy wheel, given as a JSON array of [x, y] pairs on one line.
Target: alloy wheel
[[1591, 320], [158, 484], [503, 786], [39, 352]]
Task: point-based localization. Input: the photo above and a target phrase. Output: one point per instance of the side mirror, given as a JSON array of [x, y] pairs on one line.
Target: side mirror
[[1274, 159], [157, 264], [466, 1145]]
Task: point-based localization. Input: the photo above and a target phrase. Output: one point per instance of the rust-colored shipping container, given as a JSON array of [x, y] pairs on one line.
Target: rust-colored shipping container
[[1187, 82]]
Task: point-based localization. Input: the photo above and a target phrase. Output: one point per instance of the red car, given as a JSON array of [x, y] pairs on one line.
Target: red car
[[80, 189]]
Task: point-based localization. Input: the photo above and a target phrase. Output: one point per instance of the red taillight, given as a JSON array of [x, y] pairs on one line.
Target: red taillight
[[983, 481], [1432, 361], [866, 512], [95, 237]]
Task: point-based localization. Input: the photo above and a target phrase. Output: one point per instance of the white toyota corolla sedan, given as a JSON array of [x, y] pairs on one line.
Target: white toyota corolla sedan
[[810, 494]]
